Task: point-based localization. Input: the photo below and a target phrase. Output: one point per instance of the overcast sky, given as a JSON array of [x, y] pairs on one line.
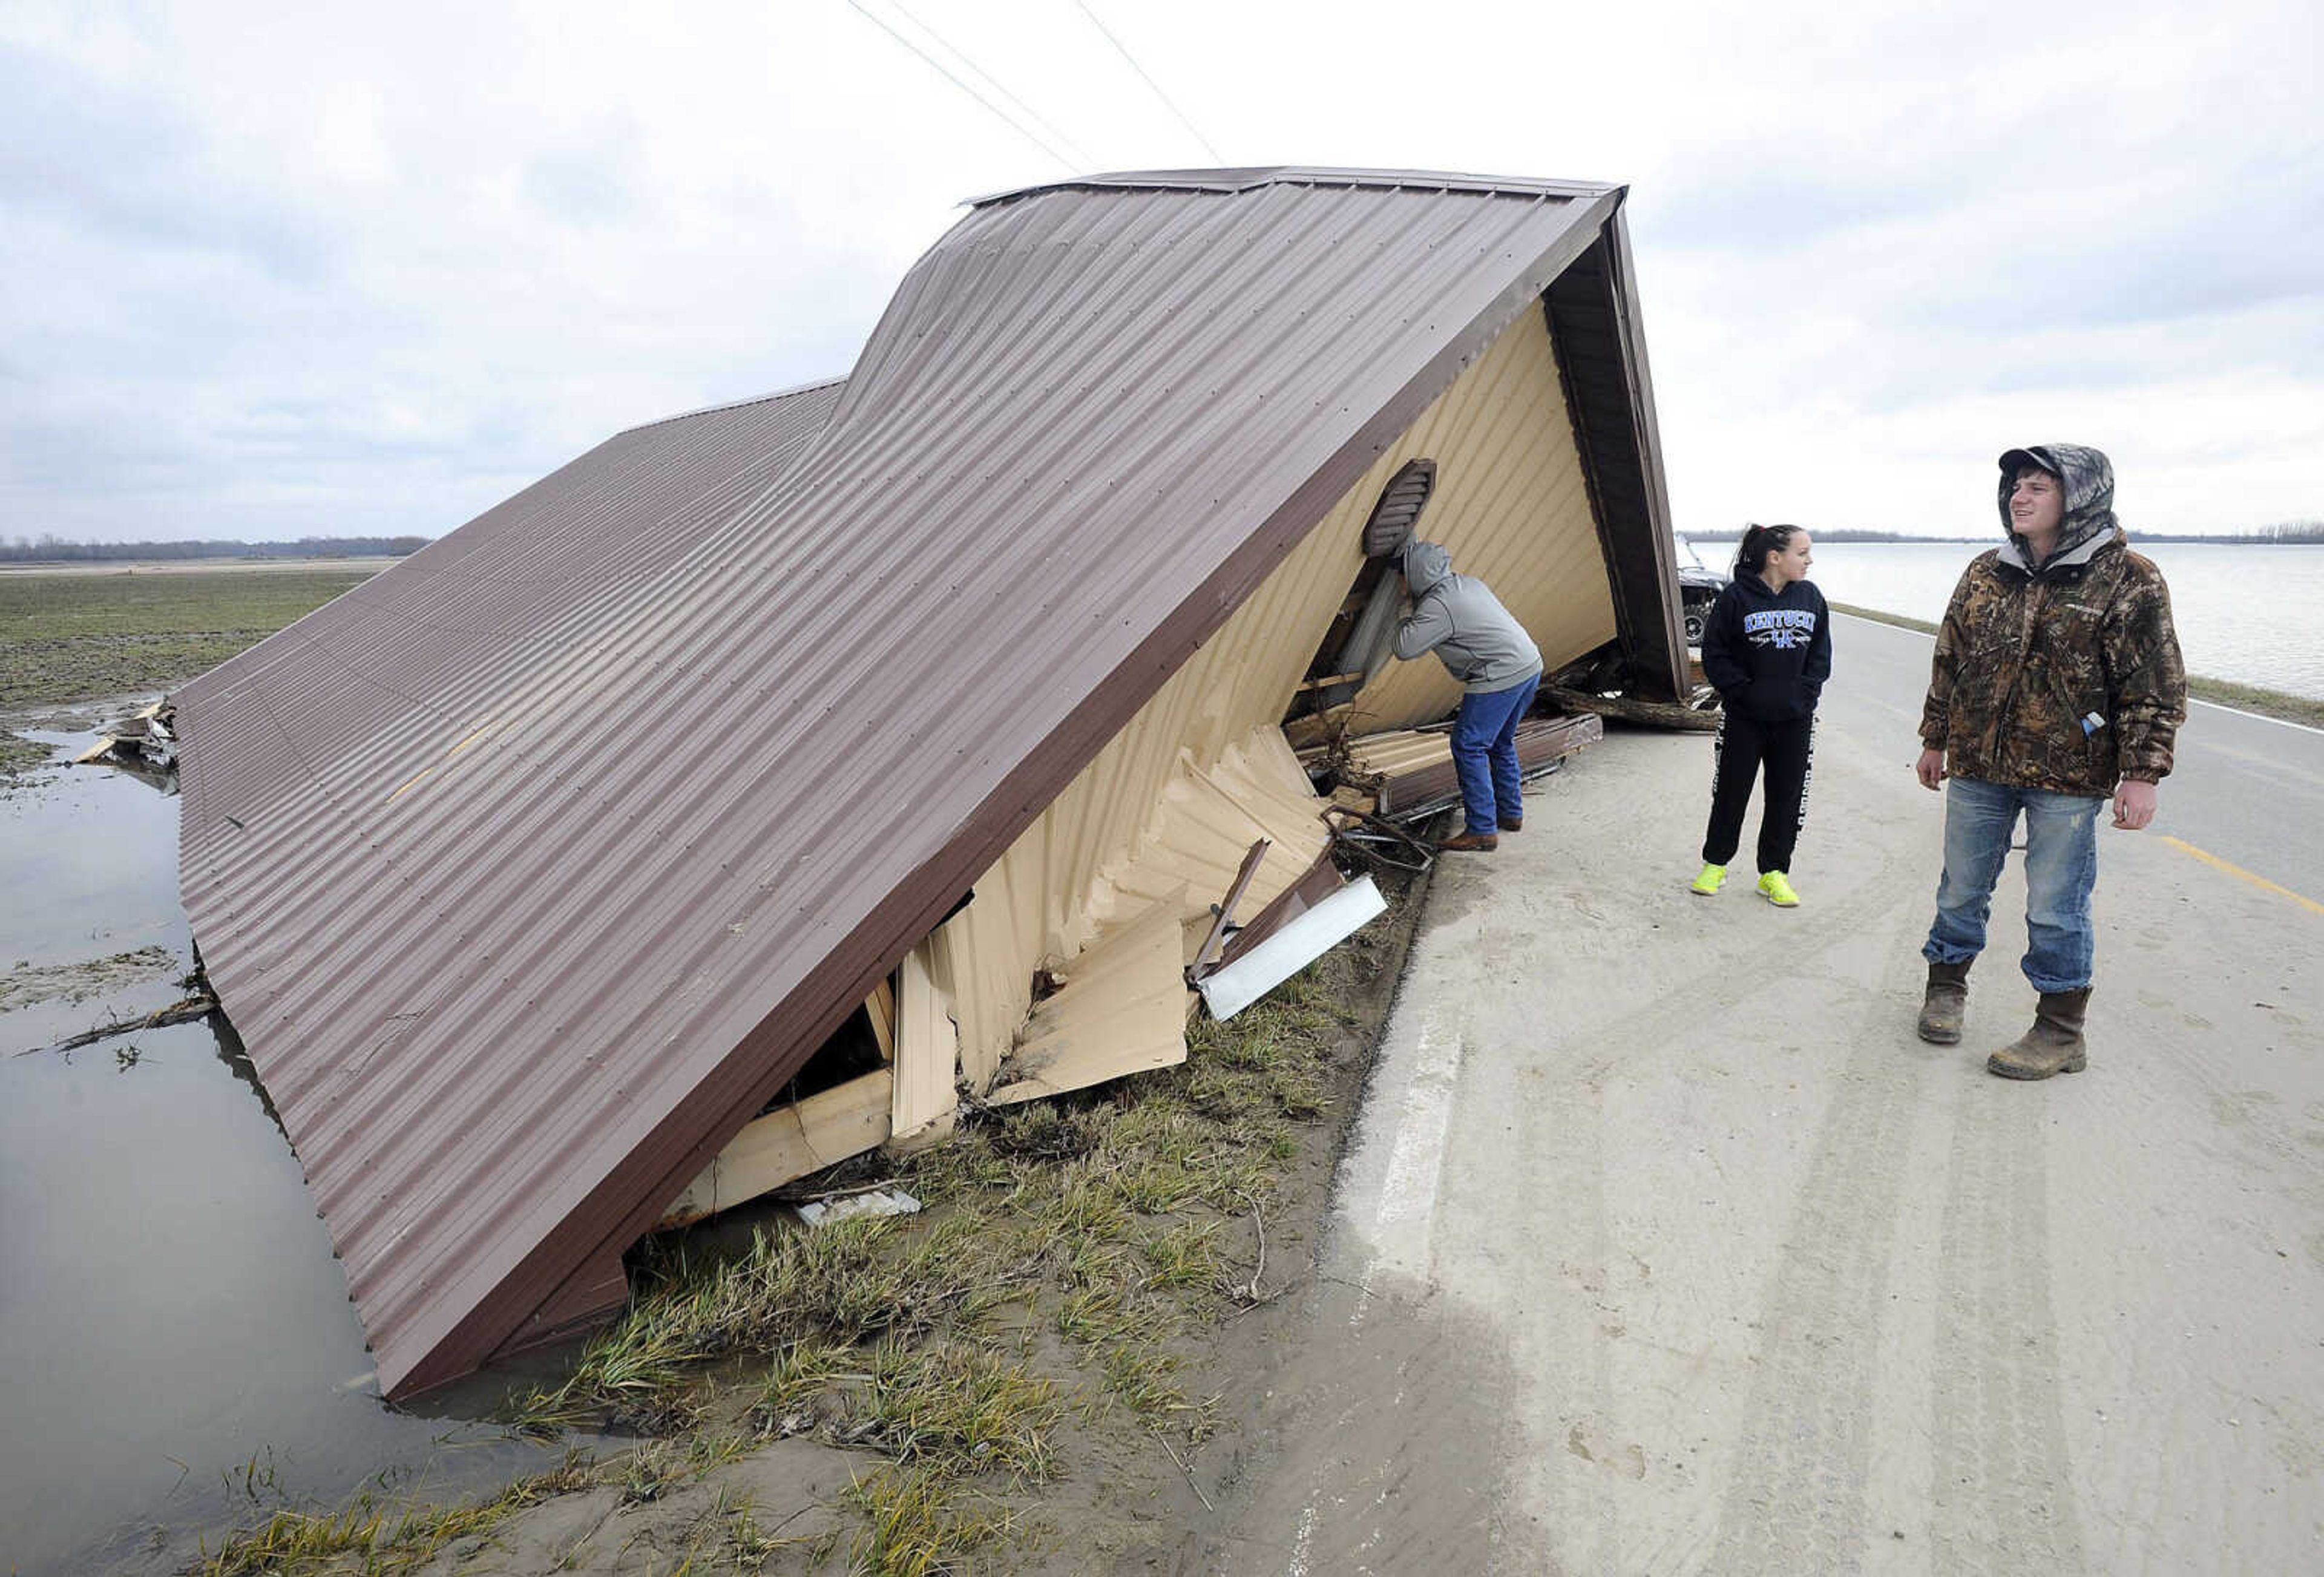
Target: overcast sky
[[303, 268]]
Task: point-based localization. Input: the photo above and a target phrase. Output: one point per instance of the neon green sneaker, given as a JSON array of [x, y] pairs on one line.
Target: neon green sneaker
[[1708, 883], [1776, 889]]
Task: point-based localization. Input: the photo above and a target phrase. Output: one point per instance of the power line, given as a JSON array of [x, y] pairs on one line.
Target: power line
[[1150, 81], [995, 83], [1005, 117]]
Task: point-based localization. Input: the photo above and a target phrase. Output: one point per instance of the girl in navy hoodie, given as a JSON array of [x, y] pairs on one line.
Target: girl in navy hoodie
[[1766, 649]]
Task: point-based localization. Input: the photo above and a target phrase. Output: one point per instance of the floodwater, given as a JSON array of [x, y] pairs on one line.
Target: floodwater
[[2246, 611], [178, 1354]]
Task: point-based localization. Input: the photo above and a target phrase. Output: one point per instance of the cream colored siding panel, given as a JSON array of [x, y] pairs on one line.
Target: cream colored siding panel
[[1511, 507], [927, 1050], [1122, 1011]]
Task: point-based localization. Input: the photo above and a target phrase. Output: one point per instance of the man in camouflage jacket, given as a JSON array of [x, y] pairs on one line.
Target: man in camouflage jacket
[[2056, 683]]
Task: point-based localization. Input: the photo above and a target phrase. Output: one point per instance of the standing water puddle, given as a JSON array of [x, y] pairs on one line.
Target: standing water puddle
[[178, 1354]]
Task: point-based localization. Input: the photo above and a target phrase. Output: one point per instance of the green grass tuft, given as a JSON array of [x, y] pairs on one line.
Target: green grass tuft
[[966, 1408], [916, 1523]]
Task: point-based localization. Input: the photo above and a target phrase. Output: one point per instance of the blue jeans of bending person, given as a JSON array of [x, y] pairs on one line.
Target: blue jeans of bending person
[[1485, 755], [2062, 868]]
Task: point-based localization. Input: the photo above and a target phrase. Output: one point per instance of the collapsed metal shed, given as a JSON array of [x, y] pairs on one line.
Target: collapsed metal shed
[[530, 871]]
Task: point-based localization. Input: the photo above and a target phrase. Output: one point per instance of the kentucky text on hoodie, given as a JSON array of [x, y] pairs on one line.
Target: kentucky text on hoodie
[[1768, 653]]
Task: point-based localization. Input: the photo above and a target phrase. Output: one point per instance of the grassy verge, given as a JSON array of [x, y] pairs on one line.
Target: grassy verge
[[70, 638], [2223, 692], [1067, 1252]]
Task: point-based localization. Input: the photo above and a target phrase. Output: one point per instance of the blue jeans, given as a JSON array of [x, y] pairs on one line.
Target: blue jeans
[[2061, 867], [1485, 755]]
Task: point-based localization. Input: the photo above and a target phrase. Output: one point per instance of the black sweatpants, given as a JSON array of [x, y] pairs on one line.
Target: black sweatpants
[[1742, 746]]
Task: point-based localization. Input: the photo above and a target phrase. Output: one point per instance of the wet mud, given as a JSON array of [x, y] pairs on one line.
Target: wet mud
[[28, 983]]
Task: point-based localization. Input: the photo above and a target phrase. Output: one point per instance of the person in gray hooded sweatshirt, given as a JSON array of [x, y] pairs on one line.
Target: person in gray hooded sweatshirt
[[1484, 647]]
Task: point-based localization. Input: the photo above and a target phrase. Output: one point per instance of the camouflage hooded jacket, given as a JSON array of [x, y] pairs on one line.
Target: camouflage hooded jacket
[[2065, 674]]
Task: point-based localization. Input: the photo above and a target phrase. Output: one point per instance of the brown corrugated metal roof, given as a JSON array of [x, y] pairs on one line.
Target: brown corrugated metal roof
[[530, 871]]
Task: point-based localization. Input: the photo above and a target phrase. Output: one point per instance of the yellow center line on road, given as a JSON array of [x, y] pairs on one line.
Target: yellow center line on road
[[2209, 858]]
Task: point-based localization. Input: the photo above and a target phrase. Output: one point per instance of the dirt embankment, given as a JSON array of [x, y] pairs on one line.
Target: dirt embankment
[[28, 983]]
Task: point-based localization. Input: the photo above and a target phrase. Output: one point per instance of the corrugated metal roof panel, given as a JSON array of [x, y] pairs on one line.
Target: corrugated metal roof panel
[[515, 959]]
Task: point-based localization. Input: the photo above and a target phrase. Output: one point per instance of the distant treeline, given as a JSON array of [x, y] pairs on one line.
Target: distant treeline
[[55, 549], [2287, 531]]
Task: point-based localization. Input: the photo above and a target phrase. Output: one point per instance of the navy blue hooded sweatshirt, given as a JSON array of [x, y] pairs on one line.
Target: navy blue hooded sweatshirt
[[1768, 653]]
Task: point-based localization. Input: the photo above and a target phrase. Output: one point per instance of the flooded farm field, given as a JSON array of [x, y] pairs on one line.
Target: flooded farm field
[[178, 1355]]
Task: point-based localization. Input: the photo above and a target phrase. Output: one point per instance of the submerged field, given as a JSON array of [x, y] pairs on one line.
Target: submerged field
[[66, 638]]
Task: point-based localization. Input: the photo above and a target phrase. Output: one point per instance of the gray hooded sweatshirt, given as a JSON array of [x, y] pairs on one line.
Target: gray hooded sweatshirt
[[1456, 617]]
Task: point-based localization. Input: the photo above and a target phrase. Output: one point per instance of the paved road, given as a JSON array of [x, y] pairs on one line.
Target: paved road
[[1664, 1245]]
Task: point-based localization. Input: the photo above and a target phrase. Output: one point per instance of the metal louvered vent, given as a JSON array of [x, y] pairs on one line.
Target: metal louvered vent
[[1398, 509]]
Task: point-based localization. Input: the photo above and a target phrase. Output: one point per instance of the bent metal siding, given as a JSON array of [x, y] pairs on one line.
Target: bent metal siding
[[1510, 505], [515, 961]]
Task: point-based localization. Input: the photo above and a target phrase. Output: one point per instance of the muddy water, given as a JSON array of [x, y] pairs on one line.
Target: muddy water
[[177, 1351]]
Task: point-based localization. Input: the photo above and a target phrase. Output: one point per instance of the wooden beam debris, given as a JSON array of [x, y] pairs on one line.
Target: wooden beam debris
[[184, 1011], [1224, 915], [1699, 713], [1411, 769], [787, 1144], [145, 742]]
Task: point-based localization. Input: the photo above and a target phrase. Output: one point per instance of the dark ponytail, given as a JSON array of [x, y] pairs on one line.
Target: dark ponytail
[[1758, 541]]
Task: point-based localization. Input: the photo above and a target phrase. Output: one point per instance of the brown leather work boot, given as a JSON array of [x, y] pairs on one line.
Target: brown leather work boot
[[1470, 842], [1513, 824], [1944, 1002], [2053, 1046]]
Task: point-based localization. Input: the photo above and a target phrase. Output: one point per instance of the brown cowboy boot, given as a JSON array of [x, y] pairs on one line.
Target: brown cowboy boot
[[2053, 1046], [1944, 1002]]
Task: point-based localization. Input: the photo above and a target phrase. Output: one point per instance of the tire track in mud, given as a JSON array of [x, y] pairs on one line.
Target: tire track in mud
[[1796, 1498], [1562, 1421], [1564, 1512], [2003, 1498]]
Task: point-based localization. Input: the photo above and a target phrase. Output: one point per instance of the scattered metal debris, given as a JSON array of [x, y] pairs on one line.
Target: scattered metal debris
[[1298, 943]]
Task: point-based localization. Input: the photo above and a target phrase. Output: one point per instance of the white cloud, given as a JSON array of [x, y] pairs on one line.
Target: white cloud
[[270, 270]]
